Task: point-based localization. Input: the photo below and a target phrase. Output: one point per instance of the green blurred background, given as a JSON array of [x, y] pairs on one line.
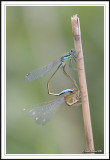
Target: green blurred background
[[35, 36]]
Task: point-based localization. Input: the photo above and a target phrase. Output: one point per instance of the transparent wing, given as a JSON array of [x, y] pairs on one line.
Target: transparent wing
[[77, 104], [43, 113], [38, 73]]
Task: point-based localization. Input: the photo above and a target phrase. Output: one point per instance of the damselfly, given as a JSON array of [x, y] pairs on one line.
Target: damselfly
[[40, 72], [41, 113]]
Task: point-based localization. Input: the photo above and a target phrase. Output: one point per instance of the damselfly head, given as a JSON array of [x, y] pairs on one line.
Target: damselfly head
[[72, 51]]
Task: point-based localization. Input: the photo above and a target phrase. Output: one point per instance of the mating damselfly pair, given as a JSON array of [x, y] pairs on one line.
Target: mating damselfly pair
[[41, 113]]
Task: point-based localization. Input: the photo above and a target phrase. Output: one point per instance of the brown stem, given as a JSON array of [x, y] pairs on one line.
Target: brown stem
[[82, 81]]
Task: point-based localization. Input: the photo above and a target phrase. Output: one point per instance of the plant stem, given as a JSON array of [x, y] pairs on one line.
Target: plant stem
[[82, 82]]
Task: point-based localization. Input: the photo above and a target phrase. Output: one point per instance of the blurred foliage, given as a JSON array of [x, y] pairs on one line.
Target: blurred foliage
[[35, 36]]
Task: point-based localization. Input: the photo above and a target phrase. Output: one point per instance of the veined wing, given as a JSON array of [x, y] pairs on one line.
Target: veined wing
[[38, 73], [77, 104], [41, 113]]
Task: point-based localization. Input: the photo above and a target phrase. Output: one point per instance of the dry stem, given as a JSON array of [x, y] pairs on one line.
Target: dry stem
[[82, 81]]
